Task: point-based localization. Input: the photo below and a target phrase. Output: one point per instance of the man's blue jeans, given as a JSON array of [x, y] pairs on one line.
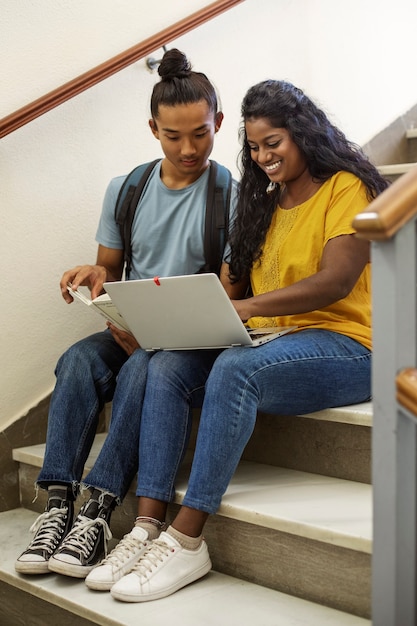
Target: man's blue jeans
[[299, 373], [90, 373]]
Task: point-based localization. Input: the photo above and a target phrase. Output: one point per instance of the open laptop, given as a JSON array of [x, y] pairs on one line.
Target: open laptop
[[183, 313]]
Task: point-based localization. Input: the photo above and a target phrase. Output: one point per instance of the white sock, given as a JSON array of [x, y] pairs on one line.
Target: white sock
[[187, 542]]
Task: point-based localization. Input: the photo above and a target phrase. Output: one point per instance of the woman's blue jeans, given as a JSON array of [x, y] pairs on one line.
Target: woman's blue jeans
[[90, 373], [299, 373]]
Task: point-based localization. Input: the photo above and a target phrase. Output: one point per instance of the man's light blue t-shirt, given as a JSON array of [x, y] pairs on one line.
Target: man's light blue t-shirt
[[167, 230]]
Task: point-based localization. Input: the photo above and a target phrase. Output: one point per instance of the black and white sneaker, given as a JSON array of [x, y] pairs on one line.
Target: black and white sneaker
[[85, 546], [50, 528]]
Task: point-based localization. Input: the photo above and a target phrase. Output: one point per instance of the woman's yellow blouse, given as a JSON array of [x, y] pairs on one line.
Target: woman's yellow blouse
[[293, 249]]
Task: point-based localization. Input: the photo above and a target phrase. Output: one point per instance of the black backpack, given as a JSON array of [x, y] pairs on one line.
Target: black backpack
[[216, 220]]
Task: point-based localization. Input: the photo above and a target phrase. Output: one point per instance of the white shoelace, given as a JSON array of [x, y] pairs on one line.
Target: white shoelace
[[83, 535], [154, 554], [125, 549], [49, 525]]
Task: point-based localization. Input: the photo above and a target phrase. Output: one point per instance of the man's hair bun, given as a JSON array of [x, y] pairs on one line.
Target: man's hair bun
[[174, 65]]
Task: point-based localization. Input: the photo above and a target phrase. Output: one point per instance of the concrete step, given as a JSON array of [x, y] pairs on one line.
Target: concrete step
[[334, 442], [395, 170], [411, 133], [305, 534], [215, 600]]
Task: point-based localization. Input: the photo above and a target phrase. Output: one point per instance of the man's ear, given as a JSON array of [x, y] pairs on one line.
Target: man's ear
[[154, 128], [218, 121]]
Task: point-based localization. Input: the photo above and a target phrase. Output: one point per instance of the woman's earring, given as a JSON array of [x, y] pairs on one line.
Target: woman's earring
[[270, 187]]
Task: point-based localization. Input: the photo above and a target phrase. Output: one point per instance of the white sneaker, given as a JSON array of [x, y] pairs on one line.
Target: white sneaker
[[120, 561], [164, 568]]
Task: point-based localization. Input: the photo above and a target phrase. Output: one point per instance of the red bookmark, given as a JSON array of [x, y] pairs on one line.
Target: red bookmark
[[156, 280]]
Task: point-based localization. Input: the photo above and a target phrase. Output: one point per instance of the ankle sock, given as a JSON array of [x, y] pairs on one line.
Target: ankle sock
[[150, 524], [189, 543], [58, 489], [100, 504], [57, 494]]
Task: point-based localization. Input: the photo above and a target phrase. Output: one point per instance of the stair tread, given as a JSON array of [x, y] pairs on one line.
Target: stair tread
[[396, 168], [322, 508], [357, 414], [411, 133], [200, 603]]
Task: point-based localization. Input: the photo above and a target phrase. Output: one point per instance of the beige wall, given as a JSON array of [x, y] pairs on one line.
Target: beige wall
[[355, 58]]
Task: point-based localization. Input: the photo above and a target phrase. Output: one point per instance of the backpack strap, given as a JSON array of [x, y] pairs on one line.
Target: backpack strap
[[126, 203], [217, 216]]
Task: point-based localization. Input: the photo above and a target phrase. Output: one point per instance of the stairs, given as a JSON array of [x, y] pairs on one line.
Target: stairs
[[394, 150], [290, 545], [394, 171]]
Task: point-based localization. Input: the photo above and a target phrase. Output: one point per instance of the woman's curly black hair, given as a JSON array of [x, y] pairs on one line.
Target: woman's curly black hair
[[325, 148]]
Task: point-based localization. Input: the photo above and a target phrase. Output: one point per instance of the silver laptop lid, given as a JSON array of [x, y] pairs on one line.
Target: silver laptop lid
[[179, 312]]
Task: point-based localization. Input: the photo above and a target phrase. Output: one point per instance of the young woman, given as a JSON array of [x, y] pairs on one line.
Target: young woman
[[167, 239], [293, 244]]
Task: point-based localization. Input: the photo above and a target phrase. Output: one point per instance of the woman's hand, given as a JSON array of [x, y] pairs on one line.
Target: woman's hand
[[241, 308], [124, 339], [343, 260]]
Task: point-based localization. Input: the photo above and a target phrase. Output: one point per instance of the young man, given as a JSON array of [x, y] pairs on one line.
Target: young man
[[167, 239]]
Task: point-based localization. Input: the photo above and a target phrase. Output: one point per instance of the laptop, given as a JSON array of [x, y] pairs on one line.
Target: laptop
[[184, 313]]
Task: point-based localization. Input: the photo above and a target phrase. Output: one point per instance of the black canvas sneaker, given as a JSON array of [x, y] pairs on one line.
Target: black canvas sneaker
[[85, 546], [50, 528]]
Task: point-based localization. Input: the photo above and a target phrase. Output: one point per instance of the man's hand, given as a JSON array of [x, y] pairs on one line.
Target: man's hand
[[92, 276], [108, 268], [125, 340]]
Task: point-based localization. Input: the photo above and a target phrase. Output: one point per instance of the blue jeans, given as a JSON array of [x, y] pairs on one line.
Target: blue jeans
[[295, 374], [90, 373]]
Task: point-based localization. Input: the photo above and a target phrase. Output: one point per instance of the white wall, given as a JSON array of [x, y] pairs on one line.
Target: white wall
[[355, 58]]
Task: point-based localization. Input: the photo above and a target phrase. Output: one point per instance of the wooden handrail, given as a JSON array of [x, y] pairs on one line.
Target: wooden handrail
[[406, 382], [389, 211], [72, 88]]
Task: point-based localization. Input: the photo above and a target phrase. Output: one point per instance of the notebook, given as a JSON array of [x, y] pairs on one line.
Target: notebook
[[183, 313]]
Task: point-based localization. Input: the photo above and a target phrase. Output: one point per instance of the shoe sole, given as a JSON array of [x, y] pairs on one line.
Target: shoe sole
[[106, 585], [67, 569], [100, 585], [193, 576], [27, 567]]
